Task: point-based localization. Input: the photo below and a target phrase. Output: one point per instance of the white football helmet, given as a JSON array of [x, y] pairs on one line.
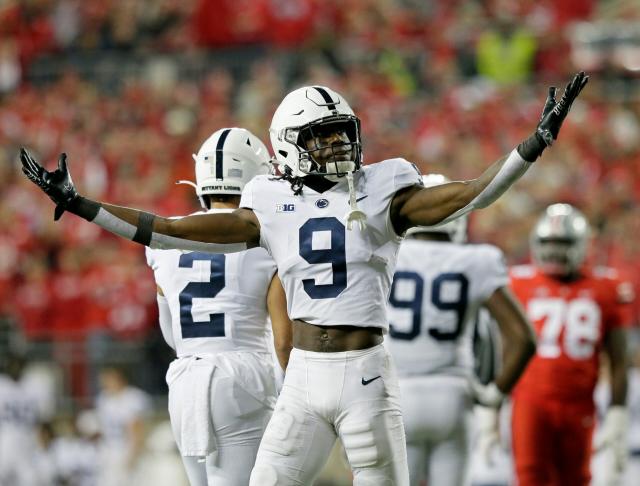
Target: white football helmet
[[559, 240], [305, 114], [227, 160], [456, 229]]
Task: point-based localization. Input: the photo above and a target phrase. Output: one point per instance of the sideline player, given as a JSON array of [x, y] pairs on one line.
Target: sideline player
[[122, 411], [213, 312], [336, 275], [438, 289], [577, 312], [19, 419]]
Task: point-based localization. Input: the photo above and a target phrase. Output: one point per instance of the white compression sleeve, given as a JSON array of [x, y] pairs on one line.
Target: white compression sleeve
[[512, 169], [164, 314], [112, 223]]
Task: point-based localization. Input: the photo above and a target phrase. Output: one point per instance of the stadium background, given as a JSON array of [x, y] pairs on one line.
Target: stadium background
[[130, 89]]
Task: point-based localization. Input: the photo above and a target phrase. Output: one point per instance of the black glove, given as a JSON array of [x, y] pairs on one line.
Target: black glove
[[58, 184], [554, 113]]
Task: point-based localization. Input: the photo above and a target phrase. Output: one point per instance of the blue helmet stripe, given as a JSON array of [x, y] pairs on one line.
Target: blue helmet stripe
[[219, 147]]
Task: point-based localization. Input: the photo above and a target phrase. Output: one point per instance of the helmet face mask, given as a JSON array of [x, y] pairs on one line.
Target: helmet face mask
[[559, 241], [315, 132], [227, 160]]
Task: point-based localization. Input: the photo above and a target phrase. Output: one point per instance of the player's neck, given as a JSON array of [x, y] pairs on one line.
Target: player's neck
[[568, 278], [223, 205], [318, 183], [431, 237]]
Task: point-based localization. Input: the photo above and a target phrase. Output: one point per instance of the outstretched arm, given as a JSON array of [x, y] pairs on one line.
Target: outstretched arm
[[428, 206], [214, 233]]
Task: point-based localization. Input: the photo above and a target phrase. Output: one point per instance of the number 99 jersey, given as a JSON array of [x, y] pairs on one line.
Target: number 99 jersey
[[218, 302], [571, 320], [437, 292], [331, 275]]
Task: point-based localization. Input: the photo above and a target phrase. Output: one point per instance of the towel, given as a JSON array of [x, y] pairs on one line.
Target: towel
[[196, 433]]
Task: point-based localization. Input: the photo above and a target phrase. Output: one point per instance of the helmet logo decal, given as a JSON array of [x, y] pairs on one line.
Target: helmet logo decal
[[322, 203], [219, 146], [326, 97]]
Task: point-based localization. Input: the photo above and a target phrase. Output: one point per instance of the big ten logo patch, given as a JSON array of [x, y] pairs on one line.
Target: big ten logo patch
[[285, 208]]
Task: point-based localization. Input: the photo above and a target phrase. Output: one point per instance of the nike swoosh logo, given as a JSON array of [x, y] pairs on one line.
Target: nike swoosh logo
[[366, 382], [362, 197]]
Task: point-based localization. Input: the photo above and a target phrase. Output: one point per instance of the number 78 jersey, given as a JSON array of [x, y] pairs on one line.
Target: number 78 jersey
[[437, 292], [571, 320]]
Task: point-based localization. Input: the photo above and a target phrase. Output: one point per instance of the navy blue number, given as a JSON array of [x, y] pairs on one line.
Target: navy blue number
[[214, 327], [335, 255], [414, 304], [459, 306]]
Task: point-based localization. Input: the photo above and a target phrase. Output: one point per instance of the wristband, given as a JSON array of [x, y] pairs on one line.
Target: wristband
[[531, 148], [83, 207]]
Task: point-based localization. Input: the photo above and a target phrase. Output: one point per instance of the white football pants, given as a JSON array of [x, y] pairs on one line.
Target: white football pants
[[437, 413], [352, 395], [238, 420]]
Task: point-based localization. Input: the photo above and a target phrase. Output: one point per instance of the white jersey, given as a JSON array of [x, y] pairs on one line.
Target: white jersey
[[218, 302], [117, 411], [437, 291], [333, 276]]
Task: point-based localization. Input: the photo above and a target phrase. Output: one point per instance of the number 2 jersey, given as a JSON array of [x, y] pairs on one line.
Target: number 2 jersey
[[217, 302], [437, 292], [571, 320], [331, 275]]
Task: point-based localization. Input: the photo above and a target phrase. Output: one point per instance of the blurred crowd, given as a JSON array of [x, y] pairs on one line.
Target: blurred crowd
[[449, 85]]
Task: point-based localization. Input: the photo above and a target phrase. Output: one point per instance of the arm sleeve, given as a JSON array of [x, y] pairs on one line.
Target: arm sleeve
[[164, 313], [512, 169]]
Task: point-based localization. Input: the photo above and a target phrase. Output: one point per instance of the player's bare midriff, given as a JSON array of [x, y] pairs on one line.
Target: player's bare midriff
[[333, 339]]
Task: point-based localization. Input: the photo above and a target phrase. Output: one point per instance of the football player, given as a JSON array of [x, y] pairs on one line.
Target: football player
[[213, 313], [335, 259], [437, 291], [577, 312], [122, 411], [19, 417]]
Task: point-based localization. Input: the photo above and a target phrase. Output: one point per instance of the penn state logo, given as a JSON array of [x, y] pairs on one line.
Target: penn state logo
[[322, 203]]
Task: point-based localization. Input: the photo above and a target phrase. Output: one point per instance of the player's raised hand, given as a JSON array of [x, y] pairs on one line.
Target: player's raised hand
[[58, 184], [555, 112]]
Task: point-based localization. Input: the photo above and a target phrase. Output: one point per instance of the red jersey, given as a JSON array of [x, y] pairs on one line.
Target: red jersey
[[571, 320]]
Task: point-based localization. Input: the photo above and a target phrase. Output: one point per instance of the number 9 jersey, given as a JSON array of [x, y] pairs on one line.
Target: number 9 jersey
[[571, 320], [437, 292], [331, 275]]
